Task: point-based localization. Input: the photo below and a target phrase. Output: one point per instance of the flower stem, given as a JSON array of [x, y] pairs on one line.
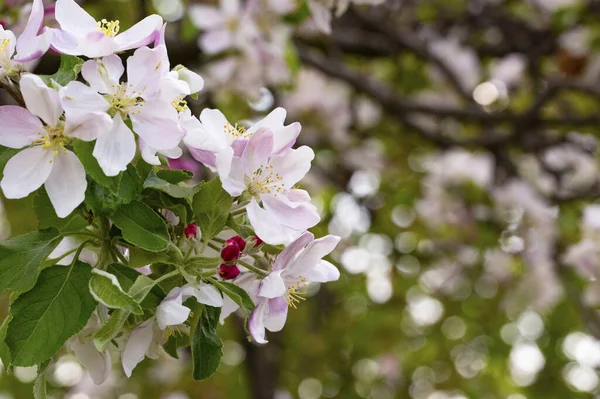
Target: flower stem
[[252, 268]]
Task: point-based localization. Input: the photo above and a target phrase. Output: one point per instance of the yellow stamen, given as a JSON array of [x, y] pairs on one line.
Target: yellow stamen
[[236, 131], [293, 296], [265, 181], [124, 100], [109, 28], [180, 104], [4, 45], [53, 139]]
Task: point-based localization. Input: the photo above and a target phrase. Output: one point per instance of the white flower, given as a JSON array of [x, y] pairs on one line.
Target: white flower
[[46, 160]]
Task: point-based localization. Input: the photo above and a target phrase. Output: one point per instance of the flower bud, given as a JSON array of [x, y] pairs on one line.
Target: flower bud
[[191, 230], [230, 252], [228, 272], [257, 241], [239, 241], [2, 24]]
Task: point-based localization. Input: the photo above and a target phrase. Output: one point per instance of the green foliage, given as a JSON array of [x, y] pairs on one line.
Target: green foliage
[[21, 257], [39, 386], [139, 257], [4, 351], [84, 151], [47, 217], [142, 226], [174, 176], [206, 345], [211, 206], [57, 308], [106, 290], [5, 155], [174, 190], [69, 69], [110, 329], [127, 277], [237, 294]]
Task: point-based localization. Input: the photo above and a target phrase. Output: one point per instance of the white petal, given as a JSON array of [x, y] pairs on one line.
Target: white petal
[[256, 321], [26, 172], [171, 312], [194, 81], [40, 99], [98, 364], [11, 42], [87, 126], [104, 74], [265, 225], [229, 306], [73, 18], [215, 125], [295, 215], [148, 153], [293, 165], [323, 272], [215, 41], [272, 286], [158, 125], [310, 258], [277, 314], [285, 258], [284, 136], [18, 127], [141, 34], [66, 184], [115, 149], [146, 69], [65, 245], [206, 17], [234, 183], [224, 159], [30, 46], [78, 97], [257, 151], [137, 345], [205, 294]]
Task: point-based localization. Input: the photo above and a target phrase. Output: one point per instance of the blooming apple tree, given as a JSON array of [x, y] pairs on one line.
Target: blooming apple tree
[[129, 254]]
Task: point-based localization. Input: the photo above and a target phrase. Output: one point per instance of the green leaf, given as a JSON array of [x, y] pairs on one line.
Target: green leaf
[[174, 176], [139, 257], [57, 308], [39, 386], [110, 329], [243, 230], [171, 346], [211, 207], [4, 351], [237, 294], [69, 69], [47, 215], [206, 345], [106, 289], [130, 185], [21, 257], [128, 276], [142, 226], [84, 151], [174, 190], [5, 155], [203, 262]]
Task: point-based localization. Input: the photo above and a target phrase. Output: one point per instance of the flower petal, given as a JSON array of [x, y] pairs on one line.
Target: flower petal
[[205, 294], [41, 100], [286, 256], [87, 127], [115, 149], [78, 97], [30, 46], [18, 127], [293, 165], [158, 125], [257, 151], [74, 19], [284, 137], [206, 17], [137, 346], [256, 321], [66, 184], [272, 286], [216, 125], [309, 260], [215, 41], [26, 172], [140, 34], [171, 311], [265, 225], [103, 75], [295, 215], [98, 364], [277, 315], [146, 69]]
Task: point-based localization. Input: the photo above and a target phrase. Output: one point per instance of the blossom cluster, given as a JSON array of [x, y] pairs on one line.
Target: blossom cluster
[[150, 257]]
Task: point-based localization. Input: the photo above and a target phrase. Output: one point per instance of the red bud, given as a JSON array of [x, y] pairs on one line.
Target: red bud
[[228, 272], [257, 241], [230, 252], [237, 240], [191, 230]]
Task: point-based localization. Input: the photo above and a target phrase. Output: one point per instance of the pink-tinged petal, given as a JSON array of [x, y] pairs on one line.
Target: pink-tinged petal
[[141, 34], [205, 294], [87, 126], [310, 258], [103, 75], [159, 39], [216, 41], [78, 97], [74, 19], [206, 158], [265, 225], [30, 46], [41, 100], [98, 364], [137, 346], [115, 149], [295, 215], [146, 69], [200, 138], [148, 153], [257, 151], [256, 321], [171, 87], [234, 182], [224, 161], [230, 8], [272, 286], [26, 172], [293, 165], [216, 126], [206, 17], [63, 42], [284, 137], [157, 124], [275, 319], [18, 127], [285, 258], [321, 15], [66, 184], [229, 306], [97, 44]]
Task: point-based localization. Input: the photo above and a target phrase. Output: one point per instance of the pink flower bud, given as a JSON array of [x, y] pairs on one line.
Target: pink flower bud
[[230, 252], [257, 241], [3, 24], [239, 241], [228, 272], [191, 230]]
